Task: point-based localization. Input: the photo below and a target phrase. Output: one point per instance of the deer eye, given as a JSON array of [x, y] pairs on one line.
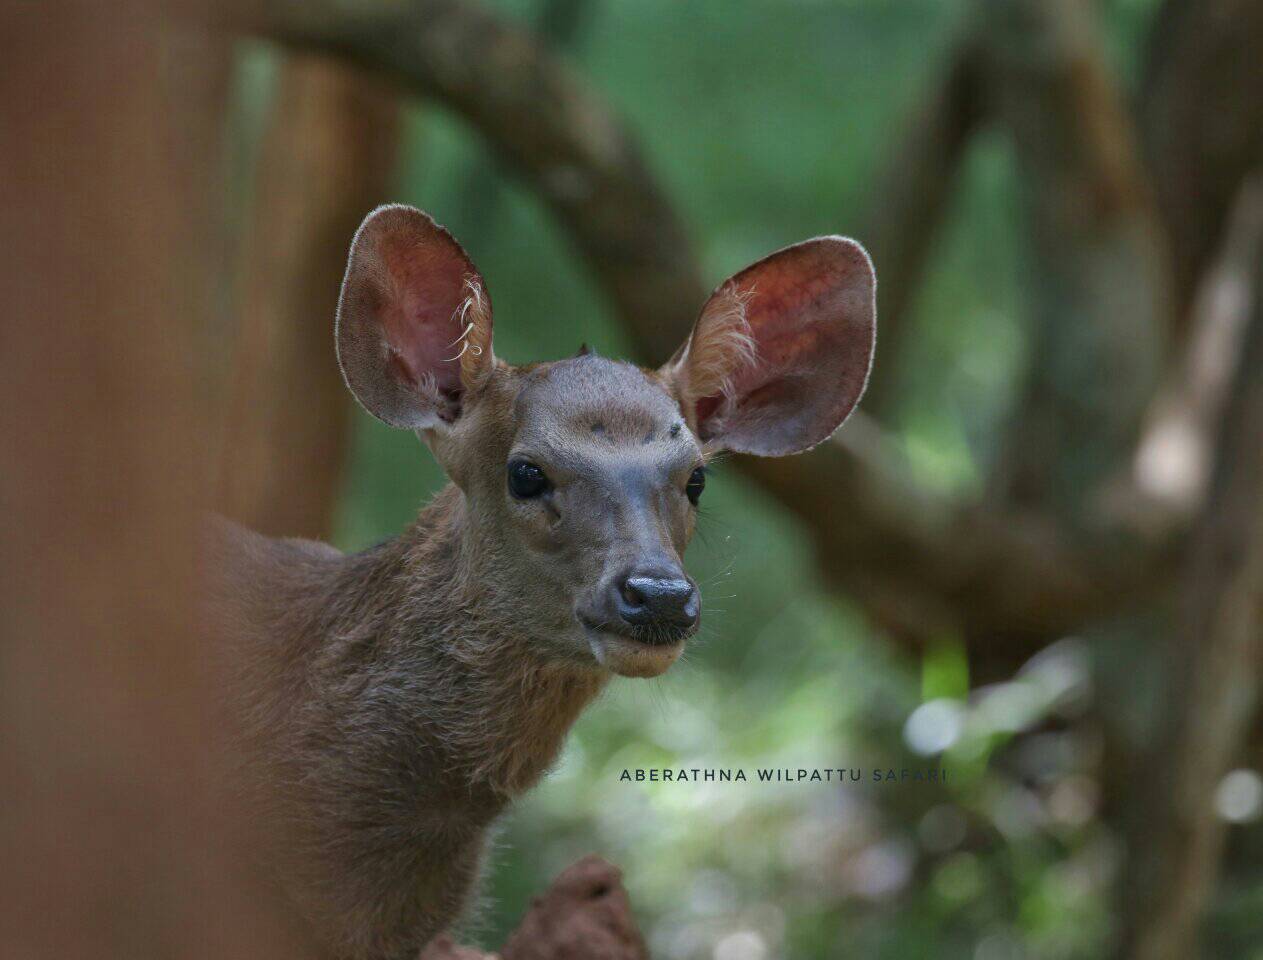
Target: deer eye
[[697, 483], [526, 480]]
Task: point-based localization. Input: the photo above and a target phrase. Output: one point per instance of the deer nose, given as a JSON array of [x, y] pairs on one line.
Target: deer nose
[[658, 599]]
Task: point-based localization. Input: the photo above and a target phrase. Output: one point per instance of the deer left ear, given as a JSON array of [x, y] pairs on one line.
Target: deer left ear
[[781, 352], [413, 328]]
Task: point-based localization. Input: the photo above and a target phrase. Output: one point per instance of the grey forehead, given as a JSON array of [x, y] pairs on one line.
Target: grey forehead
[[607, 399]]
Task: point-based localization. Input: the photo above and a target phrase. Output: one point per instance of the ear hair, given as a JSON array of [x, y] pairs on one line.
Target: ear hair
[[720, 346], [474, 320]]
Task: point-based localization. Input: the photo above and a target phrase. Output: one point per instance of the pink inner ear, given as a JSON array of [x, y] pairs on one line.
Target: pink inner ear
[[785, 309], [810, 313], [706, 408], [421, 316]]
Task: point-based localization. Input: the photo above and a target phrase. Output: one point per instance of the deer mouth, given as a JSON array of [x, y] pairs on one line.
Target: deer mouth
[[633, 654]]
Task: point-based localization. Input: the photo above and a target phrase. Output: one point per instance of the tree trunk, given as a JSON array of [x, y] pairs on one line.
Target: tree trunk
[[327, 158], [114, 835]]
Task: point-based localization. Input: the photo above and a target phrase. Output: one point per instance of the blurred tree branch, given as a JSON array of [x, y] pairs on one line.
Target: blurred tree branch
[[1008, 580], [1176, 452], [1214, 679], [544, 119], [1202, 121], [1098, 343], [913, 188], [559, 24], [327, 157]]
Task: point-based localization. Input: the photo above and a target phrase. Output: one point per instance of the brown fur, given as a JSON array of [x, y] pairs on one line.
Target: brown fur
[[394, 725]]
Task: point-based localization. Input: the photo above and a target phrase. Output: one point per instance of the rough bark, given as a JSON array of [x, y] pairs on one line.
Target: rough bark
[[1098, 343], [1214, 663], [113, 837], [327, 158]]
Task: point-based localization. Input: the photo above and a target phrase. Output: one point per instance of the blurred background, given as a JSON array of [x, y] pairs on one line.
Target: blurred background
[[1033, 558]]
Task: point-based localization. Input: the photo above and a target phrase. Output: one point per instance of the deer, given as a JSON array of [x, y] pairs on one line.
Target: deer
[[391, 704]]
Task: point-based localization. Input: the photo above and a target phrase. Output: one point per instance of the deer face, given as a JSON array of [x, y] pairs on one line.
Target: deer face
[[582, 476], [597, 488]]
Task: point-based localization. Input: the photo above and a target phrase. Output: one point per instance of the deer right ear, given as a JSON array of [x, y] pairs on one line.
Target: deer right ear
[[781, 352], [413, 328]]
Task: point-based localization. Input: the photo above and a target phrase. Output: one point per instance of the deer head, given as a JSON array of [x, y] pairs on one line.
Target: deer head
[[581, 477]]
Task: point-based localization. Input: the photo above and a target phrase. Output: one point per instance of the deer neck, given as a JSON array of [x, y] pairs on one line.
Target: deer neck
[[498, 708]]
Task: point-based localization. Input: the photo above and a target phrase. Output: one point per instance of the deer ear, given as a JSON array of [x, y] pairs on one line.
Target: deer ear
[[414, 321], [781, 352]]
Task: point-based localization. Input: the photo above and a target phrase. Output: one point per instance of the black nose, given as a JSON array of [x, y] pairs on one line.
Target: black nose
[[656, 599]]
